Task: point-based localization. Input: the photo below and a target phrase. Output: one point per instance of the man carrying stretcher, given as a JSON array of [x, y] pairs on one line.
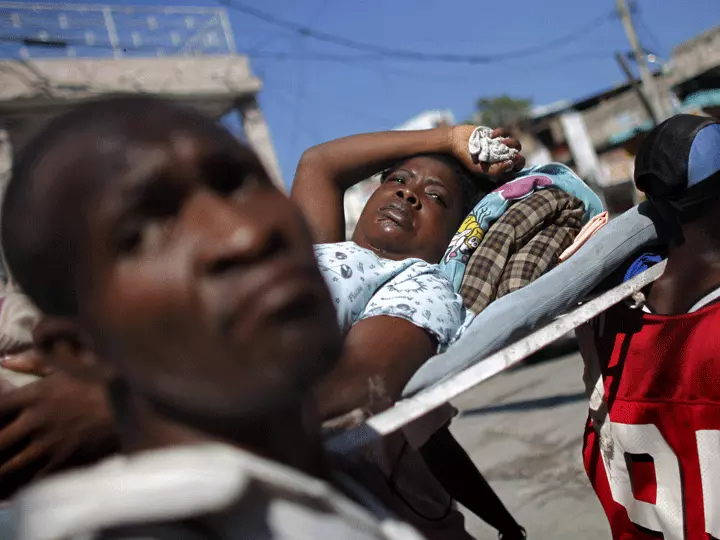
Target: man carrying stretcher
[[652, 438]]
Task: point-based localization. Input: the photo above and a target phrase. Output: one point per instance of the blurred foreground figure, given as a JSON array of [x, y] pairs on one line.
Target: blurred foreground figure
[[172, 272], [652, 441]]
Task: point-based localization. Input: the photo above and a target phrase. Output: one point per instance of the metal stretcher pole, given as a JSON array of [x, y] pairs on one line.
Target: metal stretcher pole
[[410, 409]]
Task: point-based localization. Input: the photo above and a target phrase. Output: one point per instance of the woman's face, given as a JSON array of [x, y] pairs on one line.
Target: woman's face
[[414, 212]]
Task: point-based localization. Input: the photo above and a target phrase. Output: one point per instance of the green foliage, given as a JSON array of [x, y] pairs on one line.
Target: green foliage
[[502, 111]]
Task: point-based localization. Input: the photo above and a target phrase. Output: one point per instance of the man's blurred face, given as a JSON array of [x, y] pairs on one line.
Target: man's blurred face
[[205, 291]]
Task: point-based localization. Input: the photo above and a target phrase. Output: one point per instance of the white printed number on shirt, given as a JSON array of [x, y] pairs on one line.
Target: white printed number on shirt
[[666, 515]]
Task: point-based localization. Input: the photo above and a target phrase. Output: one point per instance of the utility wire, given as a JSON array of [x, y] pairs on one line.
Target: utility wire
[[376, 51], [405, 54], [295, 56], [640, 21], [352, 59], [367, 61]]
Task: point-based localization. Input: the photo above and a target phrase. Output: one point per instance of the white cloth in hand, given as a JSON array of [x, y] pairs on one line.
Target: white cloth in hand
[[484, 148]]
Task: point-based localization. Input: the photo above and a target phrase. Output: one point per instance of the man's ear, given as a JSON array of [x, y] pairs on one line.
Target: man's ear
[[63, 344]]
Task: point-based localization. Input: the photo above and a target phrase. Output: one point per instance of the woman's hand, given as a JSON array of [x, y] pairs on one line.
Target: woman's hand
[[459, 138]]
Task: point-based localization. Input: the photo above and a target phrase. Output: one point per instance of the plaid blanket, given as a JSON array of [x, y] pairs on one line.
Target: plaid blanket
[[521, 246]]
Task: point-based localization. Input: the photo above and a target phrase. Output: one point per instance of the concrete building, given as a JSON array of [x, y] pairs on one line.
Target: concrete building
[[57, 55], [695, 74], [599, 135]]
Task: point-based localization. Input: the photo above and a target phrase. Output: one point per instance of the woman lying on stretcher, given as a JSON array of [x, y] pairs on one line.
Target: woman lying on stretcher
[[394, 305], [396, 308]]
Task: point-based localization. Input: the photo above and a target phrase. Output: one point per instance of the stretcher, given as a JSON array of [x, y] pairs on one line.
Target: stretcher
[[521, 323]]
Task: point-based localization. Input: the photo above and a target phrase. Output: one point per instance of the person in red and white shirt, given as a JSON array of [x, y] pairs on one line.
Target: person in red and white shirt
[[652, 437]]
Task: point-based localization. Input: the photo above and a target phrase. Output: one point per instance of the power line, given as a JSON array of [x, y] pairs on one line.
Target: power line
[[294, 56], [404, 54], [313, 57], [264, 42], [352, 58], [370, 63], [640, 20]]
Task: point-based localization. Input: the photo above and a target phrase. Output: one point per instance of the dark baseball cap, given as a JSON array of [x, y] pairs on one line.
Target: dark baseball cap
[[678, 165], [678, 156]]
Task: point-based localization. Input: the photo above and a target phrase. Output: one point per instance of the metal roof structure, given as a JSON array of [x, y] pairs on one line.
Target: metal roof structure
[[55, 55], [42, 30]]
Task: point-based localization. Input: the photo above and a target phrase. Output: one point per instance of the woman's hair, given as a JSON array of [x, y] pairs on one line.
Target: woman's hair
[[473, 187]]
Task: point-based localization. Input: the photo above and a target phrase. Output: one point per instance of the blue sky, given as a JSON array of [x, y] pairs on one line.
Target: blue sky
[[309, 101]]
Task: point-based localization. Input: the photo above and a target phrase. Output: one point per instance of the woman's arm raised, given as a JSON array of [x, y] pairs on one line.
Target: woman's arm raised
[[327, 170]]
